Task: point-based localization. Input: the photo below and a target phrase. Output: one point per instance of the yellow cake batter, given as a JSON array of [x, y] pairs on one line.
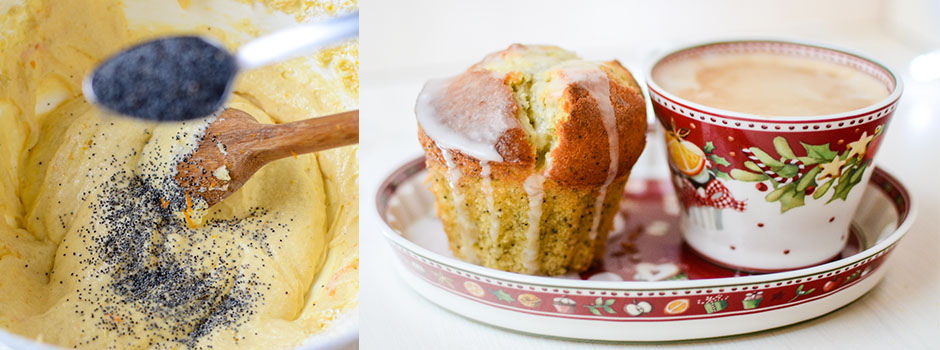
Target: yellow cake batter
[[92, 254]]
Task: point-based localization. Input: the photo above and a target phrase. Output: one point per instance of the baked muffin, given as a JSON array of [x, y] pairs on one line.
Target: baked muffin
[[527, 155]]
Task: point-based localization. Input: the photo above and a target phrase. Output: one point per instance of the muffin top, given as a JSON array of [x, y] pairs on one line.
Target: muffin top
[[536, 107]]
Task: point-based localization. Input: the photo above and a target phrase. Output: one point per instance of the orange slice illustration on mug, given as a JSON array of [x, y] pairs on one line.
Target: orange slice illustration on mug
[[677, 306], [686, 156]]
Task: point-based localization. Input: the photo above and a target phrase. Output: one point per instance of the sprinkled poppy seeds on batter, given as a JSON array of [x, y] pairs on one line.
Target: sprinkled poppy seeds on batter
[[136, 235], [100, 249]]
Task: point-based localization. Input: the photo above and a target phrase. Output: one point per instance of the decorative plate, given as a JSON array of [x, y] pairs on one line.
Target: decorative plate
[[649, 286]]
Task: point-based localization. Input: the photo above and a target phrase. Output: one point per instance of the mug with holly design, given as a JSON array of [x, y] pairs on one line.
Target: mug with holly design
[[763, 193]]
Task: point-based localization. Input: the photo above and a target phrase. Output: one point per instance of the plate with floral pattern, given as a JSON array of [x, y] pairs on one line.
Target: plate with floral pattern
[[649, 286]]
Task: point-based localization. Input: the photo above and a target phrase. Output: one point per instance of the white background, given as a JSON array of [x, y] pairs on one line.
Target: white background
[[404, 43]]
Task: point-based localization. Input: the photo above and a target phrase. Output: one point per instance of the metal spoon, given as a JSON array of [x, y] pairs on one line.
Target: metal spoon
[[188, 77]]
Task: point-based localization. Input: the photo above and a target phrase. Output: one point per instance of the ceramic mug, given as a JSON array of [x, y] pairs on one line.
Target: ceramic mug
[[771, 193]]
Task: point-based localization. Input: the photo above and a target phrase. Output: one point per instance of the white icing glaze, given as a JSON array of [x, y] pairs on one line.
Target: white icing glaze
[[467, 118], [490, 201], [535, 191], [598, 85], [474, 125], [468, 230]]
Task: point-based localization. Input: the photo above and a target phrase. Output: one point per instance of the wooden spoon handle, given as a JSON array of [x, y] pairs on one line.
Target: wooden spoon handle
[[308, 135]]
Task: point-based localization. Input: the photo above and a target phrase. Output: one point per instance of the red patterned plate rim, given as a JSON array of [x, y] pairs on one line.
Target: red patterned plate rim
[[747, 117], [881, 179]]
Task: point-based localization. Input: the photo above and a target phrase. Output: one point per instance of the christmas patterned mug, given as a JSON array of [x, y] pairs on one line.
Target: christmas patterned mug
[[766, 193]]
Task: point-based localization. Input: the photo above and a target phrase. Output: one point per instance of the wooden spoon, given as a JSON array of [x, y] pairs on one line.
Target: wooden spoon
[[235, 146]]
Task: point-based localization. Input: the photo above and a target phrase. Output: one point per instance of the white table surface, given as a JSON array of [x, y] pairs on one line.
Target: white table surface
[[902, 312]]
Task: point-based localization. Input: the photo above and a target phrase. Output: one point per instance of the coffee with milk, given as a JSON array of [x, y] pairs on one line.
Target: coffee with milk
[[768, 84]]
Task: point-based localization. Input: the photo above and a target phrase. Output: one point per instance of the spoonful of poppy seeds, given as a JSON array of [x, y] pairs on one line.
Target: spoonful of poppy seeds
[[188, 77]]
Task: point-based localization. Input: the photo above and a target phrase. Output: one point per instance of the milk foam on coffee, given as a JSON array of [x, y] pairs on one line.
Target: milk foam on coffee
[[769, 84]]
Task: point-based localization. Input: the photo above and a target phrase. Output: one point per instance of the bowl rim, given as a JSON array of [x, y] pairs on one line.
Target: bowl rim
[[414, 166], [335, 339], [344, 337], [653, 87]]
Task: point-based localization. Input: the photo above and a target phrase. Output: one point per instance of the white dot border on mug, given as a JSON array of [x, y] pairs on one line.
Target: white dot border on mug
[[761, 125]]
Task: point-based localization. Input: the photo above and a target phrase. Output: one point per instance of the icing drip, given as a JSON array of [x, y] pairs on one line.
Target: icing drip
[[490, 201], [598, 85], [535, 191], [469, 113], [468, 230]]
